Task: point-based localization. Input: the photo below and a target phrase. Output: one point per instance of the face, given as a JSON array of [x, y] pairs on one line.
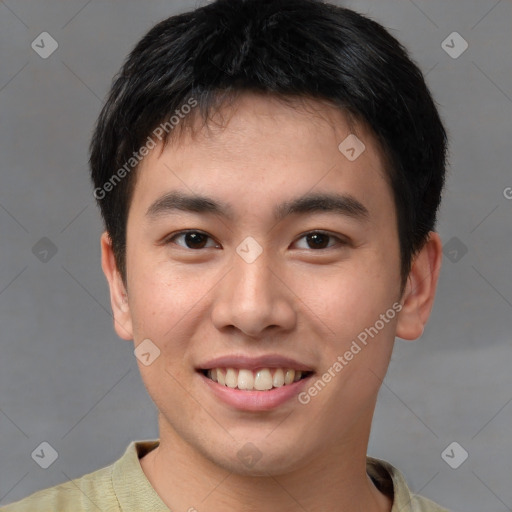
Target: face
[[257, 277]]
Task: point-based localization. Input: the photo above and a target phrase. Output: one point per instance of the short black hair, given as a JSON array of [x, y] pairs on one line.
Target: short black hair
[[288, 49]]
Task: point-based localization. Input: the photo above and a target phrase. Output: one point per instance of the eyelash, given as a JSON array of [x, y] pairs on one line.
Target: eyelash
[[340, 241]]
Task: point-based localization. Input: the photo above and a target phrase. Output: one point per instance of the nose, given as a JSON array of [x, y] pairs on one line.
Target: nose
[[254, 299]]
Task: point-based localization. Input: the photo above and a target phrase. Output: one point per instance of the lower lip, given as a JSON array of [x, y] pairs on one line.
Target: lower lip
[[256, 400]]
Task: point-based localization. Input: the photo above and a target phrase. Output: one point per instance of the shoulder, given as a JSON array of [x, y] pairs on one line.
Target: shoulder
[[90, 492], [422, 504], [119, 486], [392, 482]]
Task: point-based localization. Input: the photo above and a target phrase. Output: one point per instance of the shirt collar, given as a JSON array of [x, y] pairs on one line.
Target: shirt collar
[[134, 491], [390, 481]]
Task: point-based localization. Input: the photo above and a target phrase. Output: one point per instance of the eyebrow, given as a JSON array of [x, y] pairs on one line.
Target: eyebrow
[[344, 204]]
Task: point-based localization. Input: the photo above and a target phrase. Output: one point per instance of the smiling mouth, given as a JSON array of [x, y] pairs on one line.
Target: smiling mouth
[[262, 379]]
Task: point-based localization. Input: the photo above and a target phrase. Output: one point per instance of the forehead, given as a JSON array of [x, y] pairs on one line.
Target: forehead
[[260, 143], [299, 118]]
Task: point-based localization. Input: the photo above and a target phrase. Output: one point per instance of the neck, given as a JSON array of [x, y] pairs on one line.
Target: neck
[[332, 481]]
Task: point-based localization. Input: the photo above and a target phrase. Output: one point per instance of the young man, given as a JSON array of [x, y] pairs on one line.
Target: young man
[[269, 173]]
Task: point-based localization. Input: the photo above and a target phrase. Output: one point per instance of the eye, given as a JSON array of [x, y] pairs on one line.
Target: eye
[[192, 240], [320, 240]]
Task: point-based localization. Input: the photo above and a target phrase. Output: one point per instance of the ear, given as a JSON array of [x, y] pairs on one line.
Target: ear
[[118, 294], [418, 296]]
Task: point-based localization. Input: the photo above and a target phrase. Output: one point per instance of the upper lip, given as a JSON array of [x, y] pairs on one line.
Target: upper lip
[[253, 363]]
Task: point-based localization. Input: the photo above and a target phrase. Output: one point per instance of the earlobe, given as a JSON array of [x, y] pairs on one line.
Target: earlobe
[[419, 294], [118, 295]]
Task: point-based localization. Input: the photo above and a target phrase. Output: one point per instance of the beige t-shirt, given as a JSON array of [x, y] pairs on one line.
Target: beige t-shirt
[[123, 487]]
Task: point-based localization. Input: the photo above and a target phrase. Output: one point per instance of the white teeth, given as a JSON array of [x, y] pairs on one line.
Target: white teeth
[[289, 376], [231, 378], [263, 379], [278, 379], [245, 379]]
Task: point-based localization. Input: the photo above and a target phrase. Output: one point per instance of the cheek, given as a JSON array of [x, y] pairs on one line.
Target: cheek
[[348, 307], [163, 309], [161, 302], [357, 345], [352, 295]]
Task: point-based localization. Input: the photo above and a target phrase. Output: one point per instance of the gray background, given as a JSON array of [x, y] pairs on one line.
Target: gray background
[[65, 377]]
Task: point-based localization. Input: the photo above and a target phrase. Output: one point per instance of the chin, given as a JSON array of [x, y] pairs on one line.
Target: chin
[[260, 458]]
